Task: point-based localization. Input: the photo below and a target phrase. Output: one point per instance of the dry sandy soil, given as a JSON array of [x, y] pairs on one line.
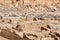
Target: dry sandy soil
[[30, 22]]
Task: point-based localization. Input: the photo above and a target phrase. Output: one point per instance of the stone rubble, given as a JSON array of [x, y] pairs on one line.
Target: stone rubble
[[30, 23]]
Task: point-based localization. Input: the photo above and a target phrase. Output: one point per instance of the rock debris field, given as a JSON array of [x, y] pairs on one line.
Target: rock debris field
[[26, 23]]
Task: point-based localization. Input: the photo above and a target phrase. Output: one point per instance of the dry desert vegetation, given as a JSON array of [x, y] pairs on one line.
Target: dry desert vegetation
[[29, 19]]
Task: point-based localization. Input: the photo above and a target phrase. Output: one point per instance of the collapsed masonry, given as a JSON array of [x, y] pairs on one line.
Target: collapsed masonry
[[36, 23]]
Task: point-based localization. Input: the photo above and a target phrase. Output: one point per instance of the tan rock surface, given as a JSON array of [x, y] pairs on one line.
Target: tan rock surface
[[1, 38], [48, 3]]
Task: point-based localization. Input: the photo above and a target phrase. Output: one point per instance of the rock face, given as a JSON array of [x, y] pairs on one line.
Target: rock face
[[32, 20], [48, 3]]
